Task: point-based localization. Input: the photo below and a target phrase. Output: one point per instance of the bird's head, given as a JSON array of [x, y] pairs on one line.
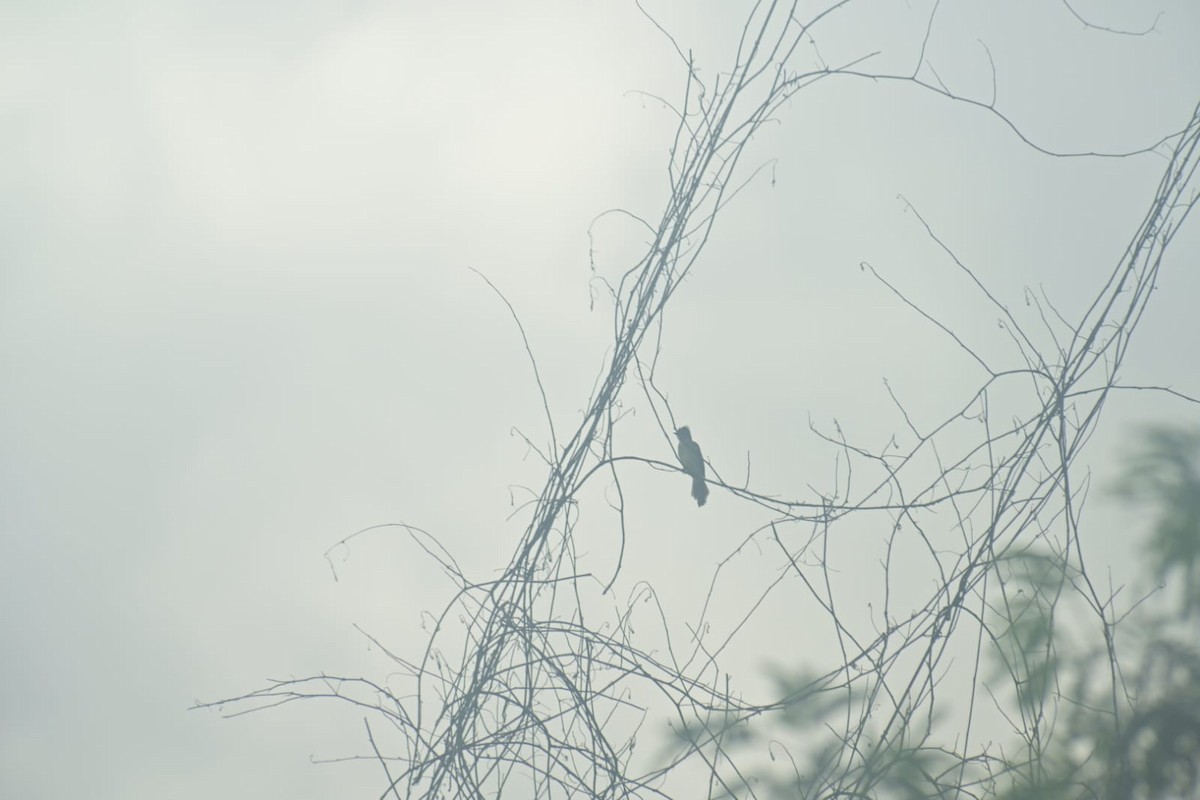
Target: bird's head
[[684, 434]]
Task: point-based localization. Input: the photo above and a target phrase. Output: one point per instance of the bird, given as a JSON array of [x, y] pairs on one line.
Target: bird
[[693, 464]]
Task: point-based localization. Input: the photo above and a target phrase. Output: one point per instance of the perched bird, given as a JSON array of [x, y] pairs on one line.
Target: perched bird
[[693, 464]]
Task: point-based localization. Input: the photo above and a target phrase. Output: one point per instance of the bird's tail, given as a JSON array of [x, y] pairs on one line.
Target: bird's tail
[[699, 490]]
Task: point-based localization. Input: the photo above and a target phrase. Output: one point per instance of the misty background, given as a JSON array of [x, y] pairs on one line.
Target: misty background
[[239, 321]]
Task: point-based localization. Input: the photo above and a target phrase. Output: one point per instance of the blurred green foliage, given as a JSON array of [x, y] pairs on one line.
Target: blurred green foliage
[[1163, 472]]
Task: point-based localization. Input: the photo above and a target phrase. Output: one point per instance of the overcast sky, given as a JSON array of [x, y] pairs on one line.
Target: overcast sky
[[239, 321]]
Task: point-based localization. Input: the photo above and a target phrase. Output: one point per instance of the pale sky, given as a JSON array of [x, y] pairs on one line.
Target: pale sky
[[239, 321]]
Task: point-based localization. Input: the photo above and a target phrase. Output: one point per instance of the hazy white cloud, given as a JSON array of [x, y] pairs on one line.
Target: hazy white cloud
[[237, 321]]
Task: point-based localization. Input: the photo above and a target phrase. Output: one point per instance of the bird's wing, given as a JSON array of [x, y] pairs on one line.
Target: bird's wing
[[689, 456]]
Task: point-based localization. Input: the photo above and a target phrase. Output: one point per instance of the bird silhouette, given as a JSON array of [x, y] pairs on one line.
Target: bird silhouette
[[693, 464]]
